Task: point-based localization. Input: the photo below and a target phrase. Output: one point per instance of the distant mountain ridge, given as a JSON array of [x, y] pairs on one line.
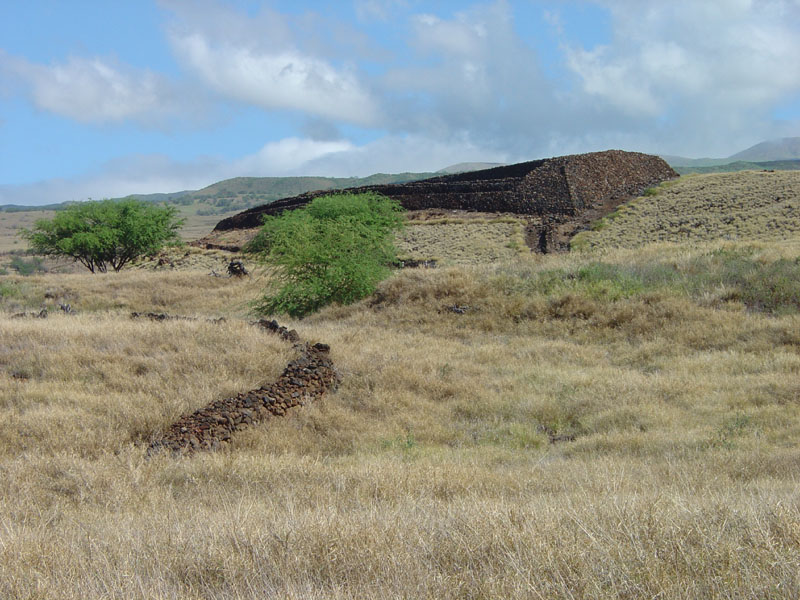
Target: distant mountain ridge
[[240, 193], [774, 151]]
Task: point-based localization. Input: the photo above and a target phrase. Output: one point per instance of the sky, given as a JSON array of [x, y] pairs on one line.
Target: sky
[[104, 99]]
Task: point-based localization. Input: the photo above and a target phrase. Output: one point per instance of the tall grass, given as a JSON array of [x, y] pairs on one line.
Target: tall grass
[[430, 472]]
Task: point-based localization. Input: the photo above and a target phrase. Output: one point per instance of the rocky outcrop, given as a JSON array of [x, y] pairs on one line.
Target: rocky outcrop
[[559, 188], [304, 379]]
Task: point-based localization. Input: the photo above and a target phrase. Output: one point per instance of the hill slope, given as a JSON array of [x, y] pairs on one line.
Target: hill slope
[[746, 206], [781, 149], [241, 193]]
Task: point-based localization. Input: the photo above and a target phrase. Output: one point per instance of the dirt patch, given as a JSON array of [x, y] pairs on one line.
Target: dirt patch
[[306, 378]]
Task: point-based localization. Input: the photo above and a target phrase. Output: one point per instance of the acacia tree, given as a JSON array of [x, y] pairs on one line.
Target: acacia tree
[[105, 233], [336, 249]]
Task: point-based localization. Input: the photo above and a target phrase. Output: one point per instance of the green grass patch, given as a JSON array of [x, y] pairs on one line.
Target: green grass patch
[[8, 290], [724, 276]]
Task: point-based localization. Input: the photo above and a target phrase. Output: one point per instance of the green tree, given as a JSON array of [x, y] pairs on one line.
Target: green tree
[[336, 249], [105, 233]]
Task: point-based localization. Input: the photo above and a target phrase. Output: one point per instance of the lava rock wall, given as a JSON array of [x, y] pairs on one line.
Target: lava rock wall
[[304, 379], [561, 186]]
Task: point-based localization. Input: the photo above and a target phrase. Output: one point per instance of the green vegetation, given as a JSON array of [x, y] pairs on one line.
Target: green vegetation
[[27, 267], [740, 165], [8, 289], [336, 249], [717, 277], [241, 193], [105, 233], [651, 191]]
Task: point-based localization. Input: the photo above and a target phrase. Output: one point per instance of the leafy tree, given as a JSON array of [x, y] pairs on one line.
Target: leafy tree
[[336, 249], [105, 233]]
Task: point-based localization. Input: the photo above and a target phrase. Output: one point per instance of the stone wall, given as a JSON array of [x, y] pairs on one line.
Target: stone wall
[[561, 186], [310, 375]]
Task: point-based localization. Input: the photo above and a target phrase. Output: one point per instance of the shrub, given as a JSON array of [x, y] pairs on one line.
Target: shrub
[[772, 287], [651, 191], [105, 233], [336, 249], [27, 267]]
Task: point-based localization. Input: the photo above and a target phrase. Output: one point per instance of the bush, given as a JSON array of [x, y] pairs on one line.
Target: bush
[[772, 288], [336, 249], [105, 233], [27, 267]]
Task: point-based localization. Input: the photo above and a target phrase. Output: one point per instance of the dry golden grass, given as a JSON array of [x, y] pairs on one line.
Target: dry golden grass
[[11, 223], [196, 226], [746, 206], [189, 258], [469, 242], [192, 292], [429, 473]]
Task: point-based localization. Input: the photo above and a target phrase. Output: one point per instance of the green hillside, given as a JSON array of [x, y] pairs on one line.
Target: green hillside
[[240, 193]]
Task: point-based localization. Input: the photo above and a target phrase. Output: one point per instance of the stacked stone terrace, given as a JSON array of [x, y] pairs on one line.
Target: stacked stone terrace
[[563, 186]]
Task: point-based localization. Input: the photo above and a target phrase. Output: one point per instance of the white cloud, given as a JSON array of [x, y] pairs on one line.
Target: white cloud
[[714, 68], [277, 79], [368, 10], [461, 36], [697, 77], [479, 80], [93, 90], [286, 157], [401, 153], [289, 155]]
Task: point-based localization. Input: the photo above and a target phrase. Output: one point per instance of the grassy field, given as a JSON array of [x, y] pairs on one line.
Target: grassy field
[[12, 222], [473, 241], [611, 423], [746, 206], [670, 375]]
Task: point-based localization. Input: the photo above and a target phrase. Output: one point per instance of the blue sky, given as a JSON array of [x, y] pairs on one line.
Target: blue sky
[[103, 99]]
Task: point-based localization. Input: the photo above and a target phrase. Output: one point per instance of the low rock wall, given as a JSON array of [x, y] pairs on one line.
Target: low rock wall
[[306, 378]]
